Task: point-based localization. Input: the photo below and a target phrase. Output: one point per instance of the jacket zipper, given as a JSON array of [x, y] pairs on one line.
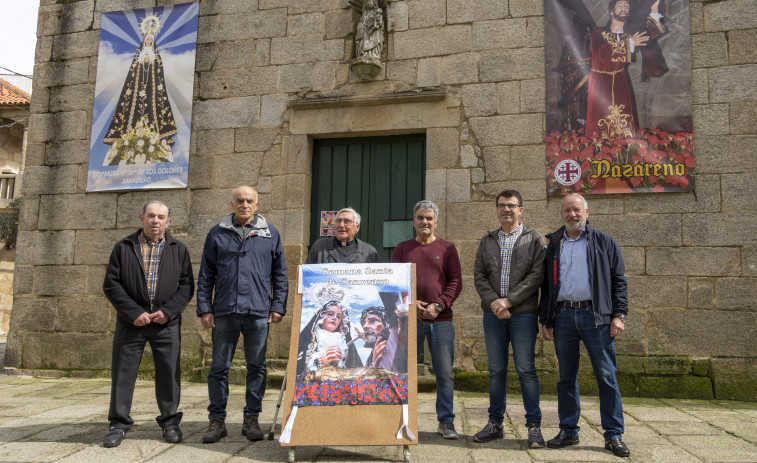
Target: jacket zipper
[[555, 271]]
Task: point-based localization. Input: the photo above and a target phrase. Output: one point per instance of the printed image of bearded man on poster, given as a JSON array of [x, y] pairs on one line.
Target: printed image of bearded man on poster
[[618, 96]]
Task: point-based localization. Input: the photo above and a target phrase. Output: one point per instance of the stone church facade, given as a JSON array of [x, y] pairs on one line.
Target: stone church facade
[[273, 77]]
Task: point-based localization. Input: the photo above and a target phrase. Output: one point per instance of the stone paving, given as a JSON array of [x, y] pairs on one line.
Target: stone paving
[[64, 420]]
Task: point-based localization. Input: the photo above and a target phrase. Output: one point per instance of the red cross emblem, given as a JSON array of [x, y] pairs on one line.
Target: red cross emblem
[[567, 172]]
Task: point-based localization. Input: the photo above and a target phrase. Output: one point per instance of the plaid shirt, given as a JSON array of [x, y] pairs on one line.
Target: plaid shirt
[[151, 254], [506, 245]]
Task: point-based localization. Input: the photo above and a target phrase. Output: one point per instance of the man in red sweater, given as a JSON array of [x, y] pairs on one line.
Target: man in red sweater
[[439, 282]]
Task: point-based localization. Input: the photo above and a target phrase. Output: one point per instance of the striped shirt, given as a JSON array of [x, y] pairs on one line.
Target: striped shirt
[[506, 245], [151, 254]]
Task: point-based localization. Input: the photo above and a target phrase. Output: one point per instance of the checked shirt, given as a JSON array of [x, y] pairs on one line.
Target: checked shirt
[[151, 254], [506, 245]]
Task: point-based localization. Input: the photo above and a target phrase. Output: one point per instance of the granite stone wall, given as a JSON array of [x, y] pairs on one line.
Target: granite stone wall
[[272, 75]]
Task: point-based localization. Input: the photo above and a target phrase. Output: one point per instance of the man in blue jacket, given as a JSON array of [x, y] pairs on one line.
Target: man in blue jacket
[[243, 264], [584, 297]]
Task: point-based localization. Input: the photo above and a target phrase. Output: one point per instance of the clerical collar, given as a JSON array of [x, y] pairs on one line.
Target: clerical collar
[[345, 244]]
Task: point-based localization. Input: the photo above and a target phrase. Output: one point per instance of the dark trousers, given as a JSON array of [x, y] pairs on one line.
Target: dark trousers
[[128, 345]]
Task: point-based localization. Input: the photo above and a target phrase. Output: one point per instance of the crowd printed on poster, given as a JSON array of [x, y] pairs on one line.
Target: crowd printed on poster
[[618, 97], [143, 99], [360, 390]]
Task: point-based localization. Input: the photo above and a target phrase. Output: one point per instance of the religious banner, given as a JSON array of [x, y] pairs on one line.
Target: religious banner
[[142, 114], [349, 355], [618, 101]]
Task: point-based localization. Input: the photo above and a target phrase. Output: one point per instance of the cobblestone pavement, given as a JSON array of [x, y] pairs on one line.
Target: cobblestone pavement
[[46, 420]]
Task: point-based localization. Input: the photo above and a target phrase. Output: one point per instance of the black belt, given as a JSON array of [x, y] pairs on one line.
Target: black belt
[[575, 304]]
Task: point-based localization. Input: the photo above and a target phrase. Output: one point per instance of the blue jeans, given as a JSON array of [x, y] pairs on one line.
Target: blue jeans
[[441, 343], [571, 326], [521, 331], [225, 337]]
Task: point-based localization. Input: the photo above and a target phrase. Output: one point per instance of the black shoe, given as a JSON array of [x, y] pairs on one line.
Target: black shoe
[[216, 430], [617, 446], [562, 439], [535, 439], [491, 431], [114, 437], [172, 434], [251, 428]]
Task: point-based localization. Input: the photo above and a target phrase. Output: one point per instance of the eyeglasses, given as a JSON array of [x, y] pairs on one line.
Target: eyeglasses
[[510, 206], [344, 221]]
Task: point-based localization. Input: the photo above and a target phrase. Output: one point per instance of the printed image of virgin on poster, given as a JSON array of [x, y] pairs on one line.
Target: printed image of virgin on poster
[[618, 98], [353, 335], [141, 120]]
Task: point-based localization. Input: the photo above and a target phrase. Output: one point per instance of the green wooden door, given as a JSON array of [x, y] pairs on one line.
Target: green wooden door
[[380, 177]]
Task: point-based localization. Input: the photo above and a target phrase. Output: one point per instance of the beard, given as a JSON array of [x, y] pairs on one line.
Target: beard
[[622, 17], [370, 337], [574, 227]]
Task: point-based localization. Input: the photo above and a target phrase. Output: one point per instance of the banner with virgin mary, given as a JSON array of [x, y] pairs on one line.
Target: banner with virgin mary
[[141, 121], [349, 354], [618, 96]]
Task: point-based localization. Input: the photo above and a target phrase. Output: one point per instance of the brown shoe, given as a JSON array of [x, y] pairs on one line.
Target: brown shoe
[[251, 428], [216, 430]]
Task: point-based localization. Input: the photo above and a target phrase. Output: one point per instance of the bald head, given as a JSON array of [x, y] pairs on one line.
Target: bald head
[[244, 203]]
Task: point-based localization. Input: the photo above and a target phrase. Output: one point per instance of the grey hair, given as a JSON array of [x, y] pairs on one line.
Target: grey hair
[[355, 215], [257, 195], [155, 201], [583, 200], [426, 204]]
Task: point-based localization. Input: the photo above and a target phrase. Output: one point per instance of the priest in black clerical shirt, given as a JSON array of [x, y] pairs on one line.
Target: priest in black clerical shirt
[[343, 247]]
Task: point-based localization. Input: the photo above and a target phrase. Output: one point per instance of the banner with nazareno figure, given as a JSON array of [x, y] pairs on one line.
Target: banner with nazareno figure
[[618, 101], [352, 345], [141, 121]]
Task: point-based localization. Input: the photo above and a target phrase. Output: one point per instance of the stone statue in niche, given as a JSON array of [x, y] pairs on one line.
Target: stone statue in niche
[[370, 37]]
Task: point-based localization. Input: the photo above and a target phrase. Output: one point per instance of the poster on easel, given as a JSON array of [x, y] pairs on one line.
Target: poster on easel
[[348, 379]]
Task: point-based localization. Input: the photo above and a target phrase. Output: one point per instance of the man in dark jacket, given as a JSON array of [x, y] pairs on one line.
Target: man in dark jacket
[[508, 271], [343, 246], [242, 287], [149, 282], [584, 297]]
